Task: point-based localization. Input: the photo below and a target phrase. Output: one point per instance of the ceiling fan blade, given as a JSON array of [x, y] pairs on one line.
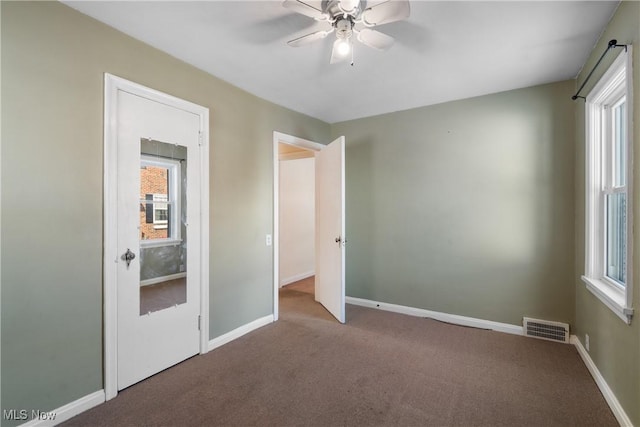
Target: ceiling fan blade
[[349, 5], [309, 38], [304, 9], [336, 56], [386, 12], [375, 39]]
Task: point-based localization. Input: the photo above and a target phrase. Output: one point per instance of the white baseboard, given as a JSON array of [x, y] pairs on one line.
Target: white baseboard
[[161, 279], [68, 411], [443, 317], [238, 332], [293, 279], [606, 391]]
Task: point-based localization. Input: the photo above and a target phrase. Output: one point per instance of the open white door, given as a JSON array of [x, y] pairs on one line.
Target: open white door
[[330, 228]]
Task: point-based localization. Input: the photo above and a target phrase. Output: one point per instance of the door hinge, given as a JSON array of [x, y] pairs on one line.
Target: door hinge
[[199, 321], [200, 138]]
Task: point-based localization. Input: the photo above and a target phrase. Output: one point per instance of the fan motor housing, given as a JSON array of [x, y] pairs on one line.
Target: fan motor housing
[[332, 8]]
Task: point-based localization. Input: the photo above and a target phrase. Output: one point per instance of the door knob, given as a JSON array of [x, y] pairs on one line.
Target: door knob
[[128, 256]]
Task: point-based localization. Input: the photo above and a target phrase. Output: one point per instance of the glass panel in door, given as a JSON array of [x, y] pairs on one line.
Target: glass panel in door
[[162, 229]]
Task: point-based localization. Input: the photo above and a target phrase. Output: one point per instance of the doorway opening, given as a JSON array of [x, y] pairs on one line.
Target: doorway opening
[[296, 240], [294, 202], [324, 252]]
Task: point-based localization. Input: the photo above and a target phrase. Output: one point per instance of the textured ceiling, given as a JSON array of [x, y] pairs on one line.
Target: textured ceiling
[[444, 51]]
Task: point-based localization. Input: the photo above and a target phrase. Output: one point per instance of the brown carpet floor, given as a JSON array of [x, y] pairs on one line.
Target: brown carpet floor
[[378, 369]]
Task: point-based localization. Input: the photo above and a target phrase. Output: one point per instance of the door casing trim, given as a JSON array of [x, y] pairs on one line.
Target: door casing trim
[[112, 84], [279, 137]]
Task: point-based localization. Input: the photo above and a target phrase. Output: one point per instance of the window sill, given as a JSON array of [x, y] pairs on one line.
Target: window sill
[[613, 299], [157, 243]]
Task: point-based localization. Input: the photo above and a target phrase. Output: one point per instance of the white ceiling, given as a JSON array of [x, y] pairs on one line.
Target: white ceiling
[[445, 51]]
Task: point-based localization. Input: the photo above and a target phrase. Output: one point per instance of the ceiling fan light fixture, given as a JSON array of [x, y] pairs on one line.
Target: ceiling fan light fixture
[[347, 18], [344, 47]]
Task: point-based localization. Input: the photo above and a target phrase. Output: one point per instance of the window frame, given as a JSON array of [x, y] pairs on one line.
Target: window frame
[[174, 198], [613, 86]]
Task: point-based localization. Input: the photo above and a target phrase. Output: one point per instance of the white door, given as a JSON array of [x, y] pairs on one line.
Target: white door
[[330, 228], [158, 237]]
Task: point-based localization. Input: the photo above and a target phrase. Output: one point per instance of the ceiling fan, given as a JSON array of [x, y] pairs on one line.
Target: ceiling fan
[[350, 19]]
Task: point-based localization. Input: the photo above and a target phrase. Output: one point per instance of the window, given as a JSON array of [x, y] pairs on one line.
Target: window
[[160, 211], [608, 264], [159, 200]]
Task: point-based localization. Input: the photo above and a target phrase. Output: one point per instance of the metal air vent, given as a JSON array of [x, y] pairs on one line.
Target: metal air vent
[[546, 330]]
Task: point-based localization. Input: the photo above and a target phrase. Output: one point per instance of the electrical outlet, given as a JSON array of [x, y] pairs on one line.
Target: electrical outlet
[[268, 240], [586, 341]]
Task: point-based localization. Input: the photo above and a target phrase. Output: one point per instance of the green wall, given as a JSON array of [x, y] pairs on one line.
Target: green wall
[[614, 346], [465, 207], [53, 61]]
